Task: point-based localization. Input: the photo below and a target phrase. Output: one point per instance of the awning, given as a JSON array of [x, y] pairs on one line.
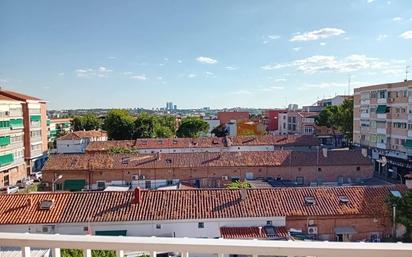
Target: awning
[[408, 143], [381, 109], [74, 184], [345, 230], [111, 233]]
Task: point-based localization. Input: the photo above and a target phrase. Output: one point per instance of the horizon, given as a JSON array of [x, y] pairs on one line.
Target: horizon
[[260, 55]]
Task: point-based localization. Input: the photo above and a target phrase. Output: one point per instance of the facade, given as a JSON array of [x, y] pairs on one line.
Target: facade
[[323, 213], [35, 129], [383, 124], [337, 100], [272, 119], [208, 144], [76, 142], [12, 164], [297, 123], [226, 117], [58, 127], [213, 123], [204, 169]]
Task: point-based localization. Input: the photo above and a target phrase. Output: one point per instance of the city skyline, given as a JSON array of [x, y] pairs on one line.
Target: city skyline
[[217, 54]]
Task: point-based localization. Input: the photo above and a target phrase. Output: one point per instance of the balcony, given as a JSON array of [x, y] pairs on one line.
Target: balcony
[[200, 247]]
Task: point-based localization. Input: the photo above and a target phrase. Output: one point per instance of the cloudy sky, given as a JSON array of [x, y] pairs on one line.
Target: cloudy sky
[[81, 54]]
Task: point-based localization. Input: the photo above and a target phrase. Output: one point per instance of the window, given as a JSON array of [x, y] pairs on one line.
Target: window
[[268, 223], [169, 182], [201, 225], [300, 180], [309, 200], [319, 169], [382, 94], [343, 199], [148, 183], [358, 168], [101, 184], [158, 226]]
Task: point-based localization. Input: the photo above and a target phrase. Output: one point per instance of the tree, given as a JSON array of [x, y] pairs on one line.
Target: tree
[[239, 185], [119, 124], [89, 121], [220, 131], [192, 127], [403, 212], [338, 118], [144, 126]]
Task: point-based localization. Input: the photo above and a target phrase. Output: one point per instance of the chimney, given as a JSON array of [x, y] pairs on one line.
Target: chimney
[[29, 202], [408, 181], [243, 194], [137, 196]]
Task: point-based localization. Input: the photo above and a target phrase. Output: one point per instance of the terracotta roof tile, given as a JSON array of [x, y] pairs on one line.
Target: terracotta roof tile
[[158, 143], [83, 134], [193, 204], [204, 159], [252, 233], [18, 96]]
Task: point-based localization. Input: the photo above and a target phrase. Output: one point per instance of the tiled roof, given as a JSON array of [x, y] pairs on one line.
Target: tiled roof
[[61, 120], [204, 159], [83, 134], [18, 96], [6, 98], [197, 204], [251, 232], [154, 143]]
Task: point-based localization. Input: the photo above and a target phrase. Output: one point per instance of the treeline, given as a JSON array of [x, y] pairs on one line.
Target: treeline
[[121, 125]]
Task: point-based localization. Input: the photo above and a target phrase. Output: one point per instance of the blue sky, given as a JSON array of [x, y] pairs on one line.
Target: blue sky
[[83, 54]]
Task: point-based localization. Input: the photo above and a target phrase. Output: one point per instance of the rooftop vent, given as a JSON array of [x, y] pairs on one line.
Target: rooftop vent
[[343, 199], [46, 204], [125, 160], [310, 200], [169, 161]]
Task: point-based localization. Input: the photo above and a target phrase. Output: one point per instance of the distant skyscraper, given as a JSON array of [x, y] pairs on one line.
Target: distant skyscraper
[[169, 106], [175, 107]]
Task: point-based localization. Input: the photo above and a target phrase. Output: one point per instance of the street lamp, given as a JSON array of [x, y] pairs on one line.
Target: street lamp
[[55, 180]]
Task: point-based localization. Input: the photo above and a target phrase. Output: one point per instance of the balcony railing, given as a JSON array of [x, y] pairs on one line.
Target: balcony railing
[[195, 246]]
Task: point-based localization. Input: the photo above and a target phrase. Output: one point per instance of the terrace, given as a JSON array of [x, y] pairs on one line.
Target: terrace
[[186, 247]]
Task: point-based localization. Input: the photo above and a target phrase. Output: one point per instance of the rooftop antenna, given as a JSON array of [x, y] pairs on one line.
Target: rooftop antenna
[[406, 72]]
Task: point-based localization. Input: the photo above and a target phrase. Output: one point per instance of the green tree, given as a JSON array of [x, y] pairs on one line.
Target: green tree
[[239, 184], [220, 131], [403, 212], [119, 124], [144, 126], [338, 117], [89, 121], [192, 127]]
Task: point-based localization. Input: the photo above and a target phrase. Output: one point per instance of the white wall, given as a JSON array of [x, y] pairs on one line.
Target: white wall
[[71, 146], [209, 149], [177, 228]]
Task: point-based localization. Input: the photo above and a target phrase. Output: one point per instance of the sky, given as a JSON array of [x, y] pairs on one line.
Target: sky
[[259, 54]]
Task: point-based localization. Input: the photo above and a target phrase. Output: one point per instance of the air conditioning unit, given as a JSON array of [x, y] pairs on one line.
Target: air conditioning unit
[[312, 230], [49, 229], [142, 177], [135, 177], [225, 178]]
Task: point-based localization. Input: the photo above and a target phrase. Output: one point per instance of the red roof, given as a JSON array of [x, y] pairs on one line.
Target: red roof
[[111, 161], [252, 233], [76, 135], [18, 96], [203, 142], [197, 204]]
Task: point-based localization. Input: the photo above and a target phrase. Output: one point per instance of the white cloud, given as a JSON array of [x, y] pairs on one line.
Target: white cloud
[[208, 73], [370, 1], [280, 80], [397, 19], [112, 57], [206, 60], [159, 78], [318, 34], [127, 73], [382, 37], [322, 86], [322, 63], [60, 74], [296, 49], [230, 68], [139, 77], [179, 61], [100, 72], [191, 75], [165, 59], [389, 2], [407, 34], [268, 38], [322, 43]]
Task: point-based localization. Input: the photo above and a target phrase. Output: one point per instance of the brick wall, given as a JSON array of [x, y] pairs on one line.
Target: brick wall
[[310, 173], [16, 173]]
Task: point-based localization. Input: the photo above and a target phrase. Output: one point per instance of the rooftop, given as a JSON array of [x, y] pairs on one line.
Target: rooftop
[[153, 205], [18, 96], [203, 159], [83, 134]]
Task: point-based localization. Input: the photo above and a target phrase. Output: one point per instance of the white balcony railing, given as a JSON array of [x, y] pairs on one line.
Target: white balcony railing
[[195, 246]]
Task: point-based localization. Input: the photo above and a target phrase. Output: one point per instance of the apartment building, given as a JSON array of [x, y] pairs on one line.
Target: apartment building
[[204, 169], [58, 127], [12, 164], [296, 123], [336, 100], [383, 124], [35, 129], [357, 213]]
